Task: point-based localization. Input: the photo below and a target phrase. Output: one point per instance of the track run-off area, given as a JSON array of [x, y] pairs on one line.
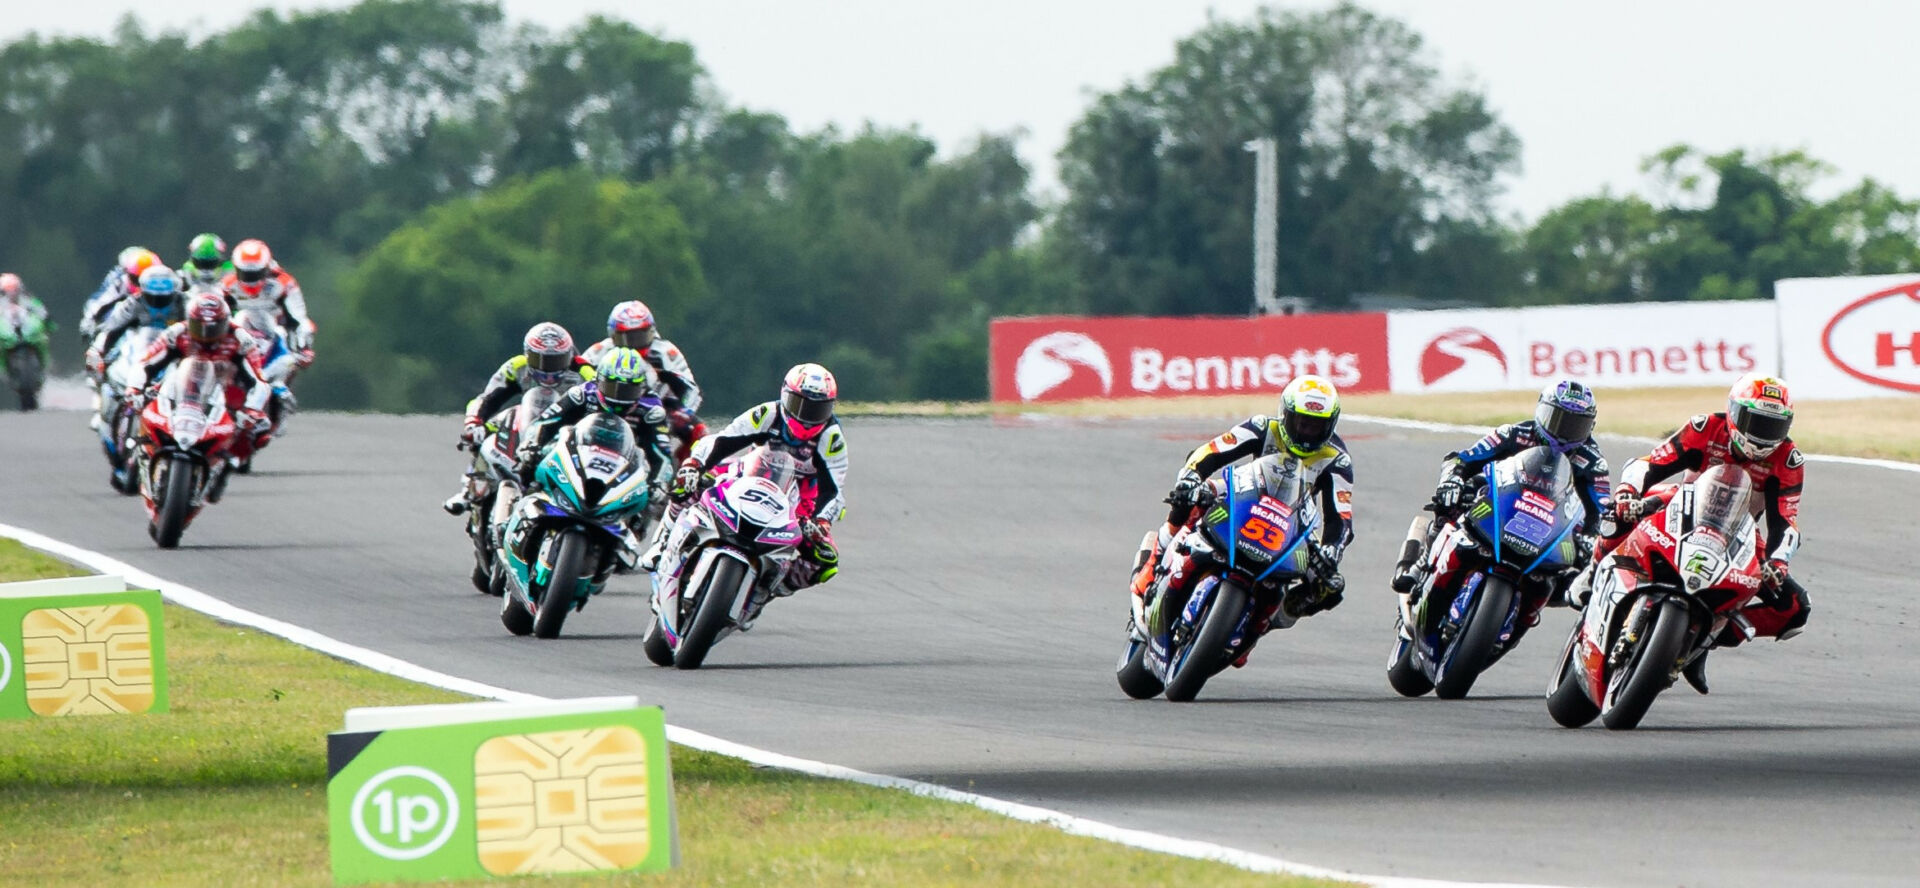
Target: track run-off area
[[971, 638]]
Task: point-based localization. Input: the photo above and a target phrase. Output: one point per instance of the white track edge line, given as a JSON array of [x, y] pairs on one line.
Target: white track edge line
[[194, 599]]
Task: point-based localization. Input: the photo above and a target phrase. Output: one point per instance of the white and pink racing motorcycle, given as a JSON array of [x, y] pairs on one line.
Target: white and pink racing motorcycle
[[724, 558]]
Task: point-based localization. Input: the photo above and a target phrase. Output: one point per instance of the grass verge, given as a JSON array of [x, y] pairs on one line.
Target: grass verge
[[230, 789], [1880, 428]]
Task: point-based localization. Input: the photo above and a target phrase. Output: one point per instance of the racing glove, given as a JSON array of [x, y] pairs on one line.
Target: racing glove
[[686, 481], [95, 363], [1627, 506], [1186, 489], [1451, 493], [473, 433]]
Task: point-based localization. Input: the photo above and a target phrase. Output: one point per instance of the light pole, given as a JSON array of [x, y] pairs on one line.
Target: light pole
[[1266, 223]]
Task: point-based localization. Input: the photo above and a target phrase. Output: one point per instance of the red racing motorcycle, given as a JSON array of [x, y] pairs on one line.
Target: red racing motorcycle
[[185, 434], [1682, 575]]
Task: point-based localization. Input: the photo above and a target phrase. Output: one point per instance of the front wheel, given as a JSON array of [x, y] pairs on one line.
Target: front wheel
[[1205, 654], [1136, 680], [1472, 647], [1406, 678], [1650, 669], [569, 565], [716, 600], [170, 519], [1568, 703], [659, 652]]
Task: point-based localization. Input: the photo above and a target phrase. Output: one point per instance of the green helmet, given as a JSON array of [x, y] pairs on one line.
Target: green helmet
[[621, 378], [207, 251]]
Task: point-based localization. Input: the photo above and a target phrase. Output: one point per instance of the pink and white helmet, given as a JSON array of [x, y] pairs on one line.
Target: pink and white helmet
[[806, 400], [631, 325]]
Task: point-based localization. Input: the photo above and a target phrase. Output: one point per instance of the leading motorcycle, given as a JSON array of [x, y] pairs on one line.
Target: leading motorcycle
[[1689, 566], [1249, 548], [184, 434], [724, 558], [1516, 538]]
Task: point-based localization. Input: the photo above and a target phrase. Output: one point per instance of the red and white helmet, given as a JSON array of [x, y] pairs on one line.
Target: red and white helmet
[[208, 319], [631, 325], [252, 261], [549, 352], [10, 284], [1759, 413], [806, 400]]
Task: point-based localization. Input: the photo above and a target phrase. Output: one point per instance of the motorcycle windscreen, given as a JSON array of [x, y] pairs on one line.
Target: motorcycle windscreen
[[1535, 507], [194, 392], [1722, 514], [1268, 511], [608, 457], [776, 467]]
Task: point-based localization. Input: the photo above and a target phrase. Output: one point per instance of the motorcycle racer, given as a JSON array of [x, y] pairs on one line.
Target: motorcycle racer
[[206, 264], [802, 423], [258, 282], [157, 305], [1303, 430], [547, 360], [1752, 436], [122, 281], [630, 325], [208, 332], [12, 289], [1563, 420]]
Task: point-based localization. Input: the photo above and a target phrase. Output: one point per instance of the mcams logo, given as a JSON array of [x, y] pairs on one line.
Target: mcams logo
[[1153, 370], [1049, 361]]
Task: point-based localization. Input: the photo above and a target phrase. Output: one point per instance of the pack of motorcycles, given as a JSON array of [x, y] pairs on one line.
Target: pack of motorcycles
[[547, 549]]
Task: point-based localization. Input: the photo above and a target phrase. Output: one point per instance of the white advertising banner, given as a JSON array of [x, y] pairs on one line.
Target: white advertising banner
[[1631, 345], [1850, 337]]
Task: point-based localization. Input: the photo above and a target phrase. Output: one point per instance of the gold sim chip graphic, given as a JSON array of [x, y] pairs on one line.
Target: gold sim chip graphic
[[561, 801], [88, 660]]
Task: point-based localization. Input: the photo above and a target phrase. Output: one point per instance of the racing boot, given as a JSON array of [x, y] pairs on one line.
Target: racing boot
[[456, 504], [1581, 587], [1148, 559], [218, 488], [1406, 573]]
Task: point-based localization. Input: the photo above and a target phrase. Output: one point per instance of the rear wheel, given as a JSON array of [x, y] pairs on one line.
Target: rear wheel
[[170, 519], [569, 565], [659, 652], [716, 599], [1405, 677], [1472, 649], [1135, 679], [1206, 653], [1650, 669]]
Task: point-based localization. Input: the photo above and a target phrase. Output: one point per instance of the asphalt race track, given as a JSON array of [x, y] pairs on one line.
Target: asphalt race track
[[971, 640]]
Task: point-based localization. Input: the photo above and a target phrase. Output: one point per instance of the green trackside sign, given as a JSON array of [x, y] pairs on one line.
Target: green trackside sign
[[471, 790], [80, 646]]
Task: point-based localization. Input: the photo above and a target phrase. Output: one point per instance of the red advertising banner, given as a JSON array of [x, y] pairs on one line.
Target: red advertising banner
[[1061, 358]]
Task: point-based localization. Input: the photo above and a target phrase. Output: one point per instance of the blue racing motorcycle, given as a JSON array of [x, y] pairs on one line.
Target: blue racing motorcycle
[[564, 536], [1518, 537], [1218, 578]]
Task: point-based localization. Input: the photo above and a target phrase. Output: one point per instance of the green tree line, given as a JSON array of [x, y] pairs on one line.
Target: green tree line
[[440, 178]]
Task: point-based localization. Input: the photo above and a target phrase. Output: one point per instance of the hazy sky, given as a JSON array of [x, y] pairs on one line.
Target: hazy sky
[[1591, 88]]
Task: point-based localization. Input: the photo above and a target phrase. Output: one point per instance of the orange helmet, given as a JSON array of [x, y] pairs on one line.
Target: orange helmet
[[1759, 413], [252, 261], [137, 259]]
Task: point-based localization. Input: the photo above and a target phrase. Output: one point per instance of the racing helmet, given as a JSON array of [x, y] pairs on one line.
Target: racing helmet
[[1759, 413], [549, 351], [631, 325], [1564, 415], [134, 260], [159, 287], [1309, 410], [252, 261], [621, 379], [10, 284], [206, 252], [208, 319], [806, 400]]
